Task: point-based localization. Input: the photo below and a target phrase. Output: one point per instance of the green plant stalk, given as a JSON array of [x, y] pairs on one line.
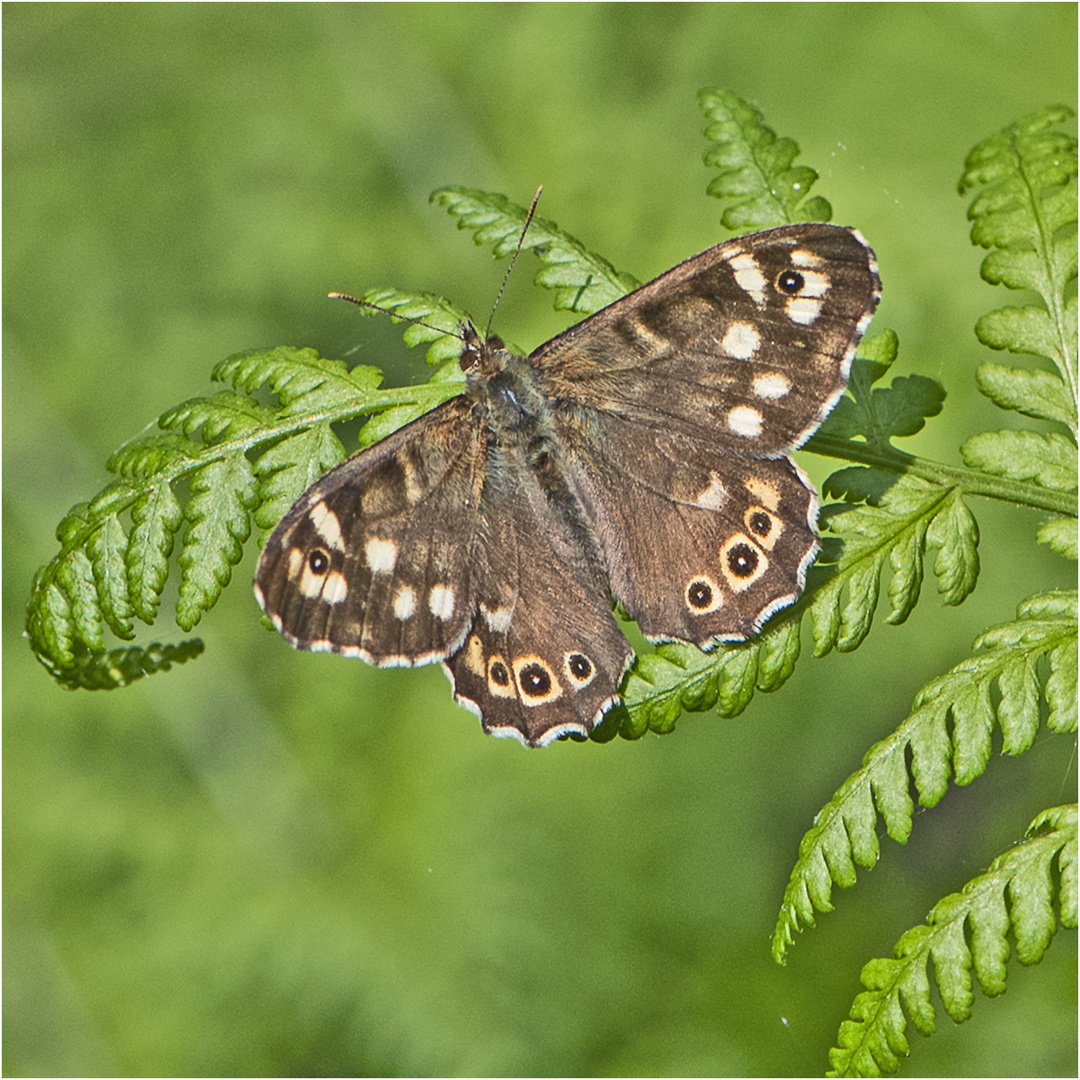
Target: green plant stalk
[[971, 480]]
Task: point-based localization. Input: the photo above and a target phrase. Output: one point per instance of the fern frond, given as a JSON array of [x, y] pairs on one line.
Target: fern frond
[[1027, 213], [844, 832], [757, 170], [210, 464], [679, 678], [893, 533], [874, 415], [1016, 894], [583, 281]]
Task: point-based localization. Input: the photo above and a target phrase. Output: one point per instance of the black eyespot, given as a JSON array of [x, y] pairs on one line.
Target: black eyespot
[[499, 675], [760, 523], [319, 562], [699, 594], [580, 666], [535, 681], [791, 282], [742, 560]]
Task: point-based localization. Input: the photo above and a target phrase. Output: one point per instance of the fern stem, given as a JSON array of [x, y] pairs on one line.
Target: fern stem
[[972, 481]]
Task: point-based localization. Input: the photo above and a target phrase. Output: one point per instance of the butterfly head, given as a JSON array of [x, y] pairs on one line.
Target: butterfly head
[[481, 358]]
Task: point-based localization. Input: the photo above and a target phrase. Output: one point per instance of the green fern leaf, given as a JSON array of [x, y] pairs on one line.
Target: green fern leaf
[[1026, 211], [1049, 460], [303, 381], [1021, 330], [877, 415], [910, 514], [151, 454], [156, 517], [75, 576], [290, 467], [224, 416], [1033, 393], [679, 678], [1061, 535], [844, 833], [583, 281], [222, 493], [757, 169], [107, 548], [873, 1040], [955, 533], [120, 667]]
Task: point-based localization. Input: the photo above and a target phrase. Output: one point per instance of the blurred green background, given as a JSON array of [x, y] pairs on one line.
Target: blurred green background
[[277, 863]]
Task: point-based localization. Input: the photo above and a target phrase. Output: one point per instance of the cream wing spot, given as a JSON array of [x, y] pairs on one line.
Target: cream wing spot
[[497, 618], [741, 341], [748, 276], [714, 496], [766, 493], [745, 421], [474, 655], [413, 491], [381, 555], [806, 306], [805, 260], [405, 603], [335, 588], [297, 559], [310, 583], [441, 602], [772, 386], [803, 309], [327, 525]]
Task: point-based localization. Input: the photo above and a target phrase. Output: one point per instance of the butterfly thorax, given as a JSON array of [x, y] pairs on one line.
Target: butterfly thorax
[[505, 390]]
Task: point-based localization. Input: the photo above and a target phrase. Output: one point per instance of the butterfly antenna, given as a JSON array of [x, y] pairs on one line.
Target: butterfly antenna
[[517, 252], [359, 302]]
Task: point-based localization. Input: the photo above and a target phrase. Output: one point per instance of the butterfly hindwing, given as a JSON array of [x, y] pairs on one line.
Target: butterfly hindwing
[[745, 530], [544, 657]]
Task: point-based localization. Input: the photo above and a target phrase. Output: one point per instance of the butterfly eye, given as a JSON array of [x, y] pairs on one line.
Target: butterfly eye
[[535, 681], [742, 560], [580, 669], [499, 675], [702, 596], [699, 594], [319, 562], [791, 282], [760, 523]]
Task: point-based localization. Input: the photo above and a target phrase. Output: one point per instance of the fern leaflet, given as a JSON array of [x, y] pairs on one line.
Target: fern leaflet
[[1016, 894]]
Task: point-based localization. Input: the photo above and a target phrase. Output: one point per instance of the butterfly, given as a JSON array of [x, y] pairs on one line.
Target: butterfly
[[641, 455]]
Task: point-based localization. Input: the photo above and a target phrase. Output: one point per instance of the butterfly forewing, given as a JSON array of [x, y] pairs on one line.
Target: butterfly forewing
[[369, 561], [748, 344]]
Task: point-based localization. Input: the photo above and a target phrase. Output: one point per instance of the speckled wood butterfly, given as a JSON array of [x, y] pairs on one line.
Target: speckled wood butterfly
[[640, 455]]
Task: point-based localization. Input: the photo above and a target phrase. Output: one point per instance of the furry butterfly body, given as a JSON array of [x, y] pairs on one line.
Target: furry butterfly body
[[643, 454]]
